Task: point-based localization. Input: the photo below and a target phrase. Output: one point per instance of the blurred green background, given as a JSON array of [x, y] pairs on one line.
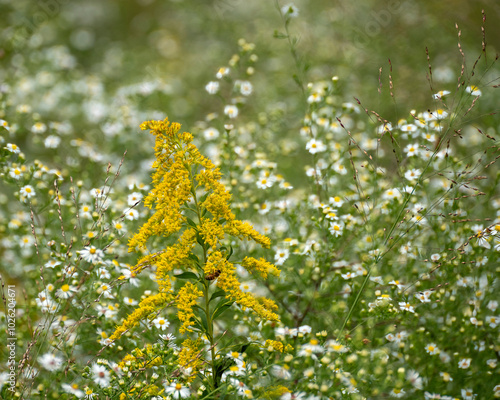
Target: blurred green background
[[179, 45]]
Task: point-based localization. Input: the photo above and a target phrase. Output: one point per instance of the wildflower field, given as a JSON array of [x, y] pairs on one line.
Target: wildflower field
[[266, 200]]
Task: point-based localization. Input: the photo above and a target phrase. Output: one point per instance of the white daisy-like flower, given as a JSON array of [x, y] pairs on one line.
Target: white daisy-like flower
[[4, 124], [211, 133], [52, 141], [91, 254], [290, 11], [246, 88], [473, 90], [134, 198], [440, 114], [424, 297], [65, 291], [73, 389], [101, 375], [231, 111], [52, 263], [439, 95], [281, 256], [336, 201], [492, 321], [464, 363], [161, 323], [265, 182], [131, 214], [96, 193], [222, 71], [315, 146], [27, 191], [50, 362], [39, 127], [314, 98], [212, 87], [336, 228], [340, 168], [405, 306], [13, 148], [413, 174], [177, 390], [432, 349], [129, 301], [16, 173], [411, 150]]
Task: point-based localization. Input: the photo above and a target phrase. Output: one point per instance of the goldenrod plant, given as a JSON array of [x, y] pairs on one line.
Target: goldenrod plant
[[190, 201]]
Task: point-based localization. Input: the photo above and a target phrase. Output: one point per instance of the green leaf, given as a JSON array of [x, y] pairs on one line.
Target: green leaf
[[187, 275], [221, 366], [200, 240], [230, 252], [221, 308], [218, 293], [279, 35], [197, 325], [204, 322], [203, 316], [244, 347], [194, 257], [203, 198], [297, 80], [191, 222]]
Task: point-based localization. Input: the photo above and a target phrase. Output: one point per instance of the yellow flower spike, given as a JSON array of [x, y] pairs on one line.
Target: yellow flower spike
[[186, 299], [187, 184], [189, 358], [211, 232], [261, 266], [274, 345], [146, 307], [245, 230], [275, 392]]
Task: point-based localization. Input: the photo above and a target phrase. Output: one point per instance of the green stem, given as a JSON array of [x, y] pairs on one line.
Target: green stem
[[206, 290], [210, 325]]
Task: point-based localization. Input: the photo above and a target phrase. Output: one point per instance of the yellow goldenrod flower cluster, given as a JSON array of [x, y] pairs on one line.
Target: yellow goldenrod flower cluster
[[186, 299], [146, 307], [275, 392], [140, 358], [278, 346], [261, 266], [189, 357], [186, 184]]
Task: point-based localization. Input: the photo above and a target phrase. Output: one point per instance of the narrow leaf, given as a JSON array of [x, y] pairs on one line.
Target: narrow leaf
[[187, 275], [221, 308], [218, 293]]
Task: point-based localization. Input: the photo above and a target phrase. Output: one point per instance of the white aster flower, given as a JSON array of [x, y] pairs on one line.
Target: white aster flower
[[50, 362], [27, 191], [315, 146], [290, 11], [212, 87], [91, 254], [231, 111]]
